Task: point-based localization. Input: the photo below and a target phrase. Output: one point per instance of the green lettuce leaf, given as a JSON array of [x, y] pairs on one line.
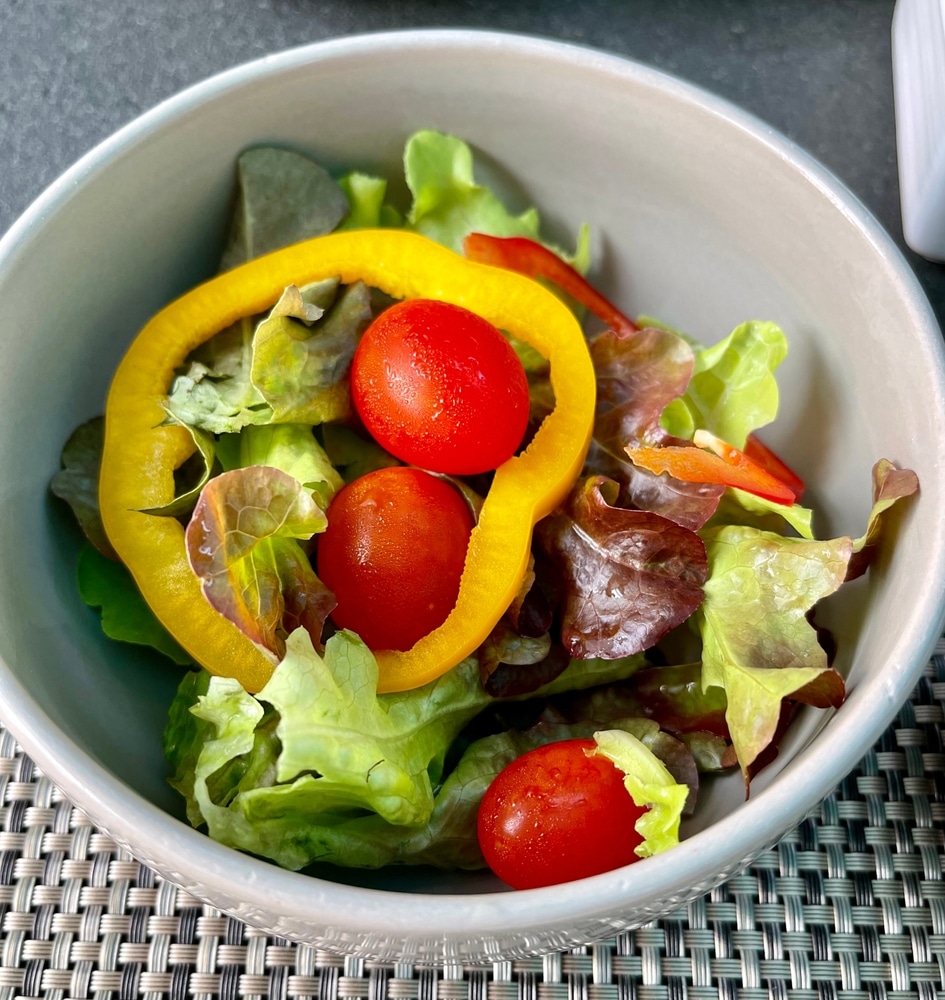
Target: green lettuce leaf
[[227, 717], [733, 390], [353, 455], [204, 459], [245, 759], [301, 359], [283, 198], [758, 644], [291, 448], [243, 544], [366, 196], [77, 481], [341, 748], [215, 392], [294, 782], [184, 736], [126, 617], [581, 674], [739, 507], [447, 840], [650, 785], [380, 753], [448, 204]]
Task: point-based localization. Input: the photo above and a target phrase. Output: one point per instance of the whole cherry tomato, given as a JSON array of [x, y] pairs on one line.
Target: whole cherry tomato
[[393, 554], [556, 814], [440, 387]]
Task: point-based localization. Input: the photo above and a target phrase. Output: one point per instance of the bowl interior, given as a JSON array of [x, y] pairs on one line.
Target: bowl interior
[[699, 216]]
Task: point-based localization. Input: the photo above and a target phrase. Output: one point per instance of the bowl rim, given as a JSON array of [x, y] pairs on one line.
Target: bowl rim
[[153, 835]]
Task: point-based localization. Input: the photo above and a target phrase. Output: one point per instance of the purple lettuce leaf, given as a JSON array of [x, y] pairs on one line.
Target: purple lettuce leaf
[[630, 576], [511, 664], [637, 377]]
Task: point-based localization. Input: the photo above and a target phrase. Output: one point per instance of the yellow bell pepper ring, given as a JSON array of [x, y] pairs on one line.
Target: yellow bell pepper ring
[[141, 452]]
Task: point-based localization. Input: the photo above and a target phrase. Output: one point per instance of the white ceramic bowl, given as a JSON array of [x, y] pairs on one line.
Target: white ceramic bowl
[[703, 216]]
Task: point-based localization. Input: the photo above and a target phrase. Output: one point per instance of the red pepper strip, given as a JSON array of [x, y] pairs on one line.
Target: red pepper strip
[[762, 455], [728, 467], [517, 253]]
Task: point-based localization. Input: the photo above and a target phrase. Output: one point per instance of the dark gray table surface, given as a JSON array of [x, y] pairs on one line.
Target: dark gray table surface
[[72, 71]]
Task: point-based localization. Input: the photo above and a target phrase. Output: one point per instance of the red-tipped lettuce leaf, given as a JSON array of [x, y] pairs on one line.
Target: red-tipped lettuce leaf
[[758, 644], [637, 377], [511, 664], [243, 543], [672, 696], [889, 485], [630, 576]]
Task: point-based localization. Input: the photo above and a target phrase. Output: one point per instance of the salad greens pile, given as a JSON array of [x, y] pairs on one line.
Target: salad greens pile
[[317, 766]]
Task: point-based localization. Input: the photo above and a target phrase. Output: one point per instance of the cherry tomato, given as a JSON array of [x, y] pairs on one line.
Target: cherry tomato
[[556, 815], [440, 387], [393, 554]]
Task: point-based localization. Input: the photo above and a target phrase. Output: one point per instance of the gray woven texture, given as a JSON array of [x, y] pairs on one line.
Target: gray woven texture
[[850, 905]]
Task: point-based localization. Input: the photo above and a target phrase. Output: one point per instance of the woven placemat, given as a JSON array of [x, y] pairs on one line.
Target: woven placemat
[[850, 905]]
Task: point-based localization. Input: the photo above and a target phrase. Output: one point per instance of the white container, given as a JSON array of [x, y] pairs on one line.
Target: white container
[[918, 49]]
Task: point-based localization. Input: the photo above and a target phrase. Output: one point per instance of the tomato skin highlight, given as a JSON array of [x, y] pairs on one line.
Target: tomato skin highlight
[[556, 814], [393, 553], [440, 387]]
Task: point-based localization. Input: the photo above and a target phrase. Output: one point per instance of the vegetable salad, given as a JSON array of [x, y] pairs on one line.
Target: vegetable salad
[[402, 583]]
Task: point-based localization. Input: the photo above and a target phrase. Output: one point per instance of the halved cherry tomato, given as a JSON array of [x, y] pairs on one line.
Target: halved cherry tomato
[[440, 388], [393, 554], [556, 814]]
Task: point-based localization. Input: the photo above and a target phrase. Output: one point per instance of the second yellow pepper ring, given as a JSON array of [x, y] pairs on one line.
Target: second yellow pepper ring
[[141, 453]]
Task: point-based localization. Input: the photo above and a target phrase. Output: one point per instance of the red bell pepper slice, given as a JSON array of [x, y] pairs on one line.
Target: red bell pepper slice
[[517, 253], [725, 465], [762, 455]]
